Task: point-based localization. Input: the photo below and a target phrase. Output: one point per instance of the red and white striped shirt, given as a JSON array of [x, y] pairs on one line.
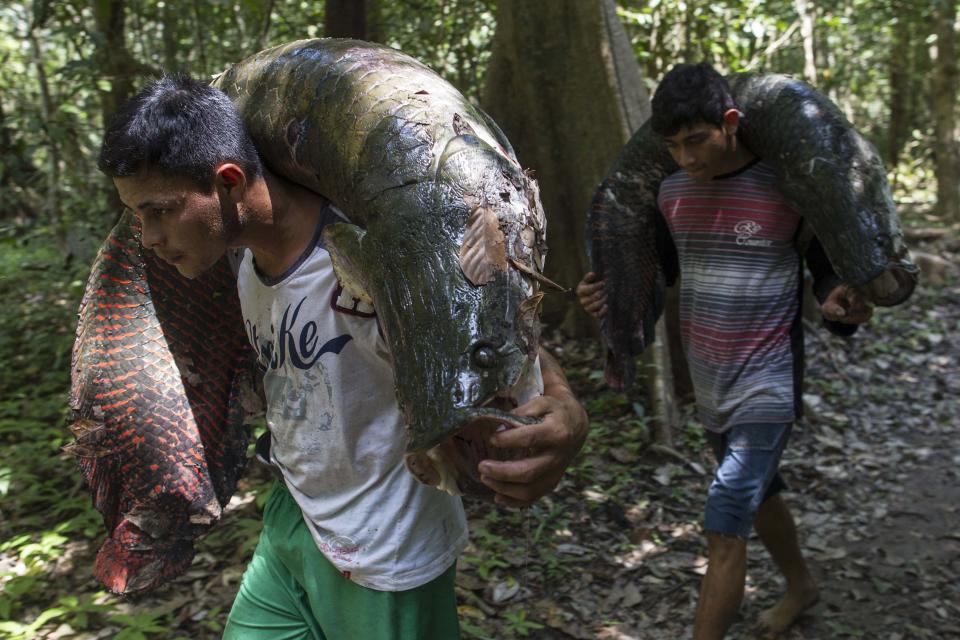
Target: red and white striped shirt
[[740, 277]]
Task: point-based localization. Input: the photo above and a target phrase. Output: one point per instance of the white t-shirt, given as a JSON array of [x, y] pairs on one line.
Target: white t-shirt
[[336, 431]]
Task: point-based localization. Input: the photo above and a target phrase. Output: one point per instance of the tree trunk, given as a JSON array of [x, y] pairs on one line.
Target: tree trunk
[[808, 18], [265, 29], [564, 85], [13, 179], [901, 71], [346, 19], [171, 40], [688, 32], [943, 104], [375, 28], [52, 205], [116, 63]]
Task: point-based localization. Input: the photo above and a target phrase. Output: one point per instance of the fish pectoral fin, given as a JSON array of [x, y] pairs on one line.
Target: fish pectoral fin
[[344, 242]]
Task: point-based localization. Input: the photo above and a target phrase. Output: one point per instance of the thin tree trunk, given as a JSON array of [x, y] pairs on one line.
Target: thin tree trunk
[[374, 21], [115, 66], [831, 58], [170, 40], [901, 69], [47, 108], [265, 29], [115, 62], [943, 105], [688, 27], [808, 18], [846, 96], [13, 202], [346, 19]]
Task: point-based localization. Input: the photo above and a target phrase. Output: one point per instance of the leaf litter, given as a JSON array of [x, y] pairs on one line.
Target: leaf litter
[[617, 552]]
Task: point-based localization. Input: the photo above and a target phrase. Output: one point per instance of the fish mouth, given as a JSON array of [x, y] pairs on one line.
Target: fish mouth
[[467, 422], [448, 457], [893, 286], [451, 461]]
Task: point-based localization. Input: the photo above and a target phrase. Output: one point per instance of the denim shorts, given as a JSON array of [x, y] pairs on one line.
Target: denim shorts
[[749, 457]]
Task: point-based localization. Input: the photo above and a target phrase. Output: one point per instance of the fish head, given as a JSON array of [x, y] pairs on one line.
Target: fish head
[[492, 248], [455, 284], [876, 207]]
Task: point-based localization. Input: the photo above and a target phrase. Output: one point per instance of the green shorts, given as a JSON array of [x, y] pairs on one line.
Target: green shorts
[[290, 591]]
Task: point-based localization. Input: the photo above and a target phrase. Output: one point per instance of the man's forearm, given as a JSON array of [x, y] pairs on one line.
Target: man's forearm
[[555, 384], [553, 375]]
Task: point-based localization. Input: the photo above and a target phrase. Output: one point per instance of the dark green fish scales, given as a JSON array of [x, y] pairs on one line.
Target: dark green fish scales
[[446, 232], [827, 171], [832, 176]]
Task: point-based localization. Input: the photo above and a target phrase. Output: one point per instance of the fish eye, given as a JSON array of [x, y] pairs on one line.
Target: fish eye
[[484, 357]]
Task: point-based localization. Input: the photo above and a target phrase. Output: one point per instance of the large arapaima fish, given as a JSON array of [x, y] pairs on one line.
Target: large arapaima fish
[[446, 239], [827, 171]]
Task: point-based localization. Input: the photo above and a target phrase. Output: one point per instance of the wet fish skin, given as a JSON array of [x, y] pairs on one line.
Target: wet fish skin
[[828, 172], [408, 160]]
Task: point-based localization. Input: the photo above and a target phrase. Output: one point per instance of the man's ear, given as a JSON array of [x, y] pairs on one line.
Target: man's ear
[[731, 121], [230, 180]]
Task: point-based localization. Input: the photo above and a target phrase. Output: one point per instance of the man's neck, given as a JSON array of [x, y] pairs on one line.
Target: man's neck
[[738, 157], [279, 222]]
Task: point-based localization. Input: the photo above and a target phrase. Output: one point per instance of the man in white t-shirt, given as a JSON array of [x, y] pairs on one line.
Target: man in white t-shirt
[[352, 545]]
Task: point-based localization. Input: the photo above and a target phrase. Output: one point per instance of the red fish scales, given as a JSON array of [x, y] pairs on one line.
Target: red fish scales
[[157, 368]]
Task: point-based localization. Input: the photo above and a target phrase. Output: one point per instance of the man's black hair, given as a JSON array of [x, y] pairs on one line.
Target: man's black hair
[[178, 126], [688, 95]]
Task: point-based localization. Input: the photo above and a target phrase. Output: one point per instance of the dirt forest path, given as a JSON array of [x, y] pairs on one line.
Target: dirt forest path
[[874, 471], [883, 518]]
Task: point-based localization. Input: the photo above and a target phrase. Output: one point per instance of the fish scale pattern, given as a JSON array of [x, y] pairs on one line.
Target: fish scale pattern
[[159, 367]]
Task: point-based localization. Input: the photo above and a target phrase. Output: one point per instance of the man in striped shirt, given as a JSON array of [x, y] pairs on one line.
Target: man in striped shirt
[[741, 275]]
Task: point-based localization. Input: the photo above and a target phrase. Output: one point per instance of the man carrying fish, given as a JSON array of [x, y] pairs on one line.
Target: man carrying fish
[[352, 545], [732, 240]]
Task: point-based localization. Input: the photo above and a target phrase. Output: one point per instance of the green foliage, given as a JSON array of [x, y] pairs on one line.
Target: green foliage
[[140, 626], [518, 624]]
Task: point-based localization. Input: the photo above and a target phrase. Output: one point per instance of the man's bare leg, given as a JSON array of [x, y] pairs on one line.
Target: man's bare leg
[[778, 532], [722, 587]]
